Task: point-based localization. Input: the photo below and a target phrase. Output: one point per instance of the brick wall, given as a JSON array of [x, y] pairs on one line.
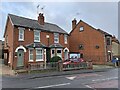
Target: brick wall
[[89, 37]]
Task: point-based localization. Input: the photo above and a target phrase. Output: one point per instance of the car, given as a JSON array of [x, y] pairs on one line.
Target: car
[[73, 60]]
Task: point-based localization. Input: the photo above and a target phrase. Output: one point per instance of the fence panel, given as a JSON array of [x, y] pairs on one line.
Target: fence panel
[[80, 65]]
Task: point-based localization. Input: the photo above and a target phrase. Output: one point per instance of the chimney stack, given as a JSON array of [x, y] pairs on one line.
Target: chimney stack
[[41, 19], [74, 22]]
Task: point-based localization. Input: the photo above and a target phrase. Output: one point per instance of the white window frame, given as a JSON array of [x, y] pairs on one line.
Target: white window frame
[[65, 39], [108, 37], [40, 54], [56, 36], [60, 55], [52, 55], [36, 31], [81, 28], [21, 30], [30, 54]]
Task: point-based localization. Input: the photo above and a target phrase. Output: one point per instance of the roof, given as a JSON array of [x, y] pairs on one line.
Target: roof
[[35, 45], [114, 39], [103, 32], [56, 45], [30, 23]]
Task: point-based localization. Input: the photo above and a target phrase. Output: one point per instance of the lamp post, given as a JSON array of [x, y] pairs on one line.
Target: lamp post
[[47, 36], [47, 50]]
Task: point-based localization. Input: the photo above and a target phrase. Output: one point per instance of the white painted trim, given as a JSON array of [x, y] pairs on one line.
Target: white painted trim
[[60, 54], [29, 55], [109, 51], [21, 29], [66, 49], [11, 20], [34, 36], [52, 55], [57, 38], [20, 47]]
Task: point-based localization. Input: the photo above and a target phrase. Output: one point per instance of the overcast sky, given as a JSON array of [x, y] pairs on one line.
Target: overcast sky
[[102, 15]]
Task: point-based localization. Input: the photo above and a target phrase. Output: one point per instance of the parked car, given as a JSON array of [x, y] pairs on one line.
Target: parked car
[[73, 60]]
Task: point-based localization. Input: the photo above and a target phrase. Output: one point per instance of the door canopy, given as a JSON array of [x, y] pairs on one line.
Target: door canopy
[[20, 47]]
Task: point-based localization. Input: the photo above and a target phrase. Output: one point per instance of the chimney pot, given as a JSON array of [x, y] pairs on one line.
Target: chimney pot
[[41, 19], [74, 22]]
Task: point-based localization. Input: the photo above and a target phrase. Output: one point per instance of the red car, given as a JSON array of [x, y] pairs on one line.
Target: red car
[[73, 60]]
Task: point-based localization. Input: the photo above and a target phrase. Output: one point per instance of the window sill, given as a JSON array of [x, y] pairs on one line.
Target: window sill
[[36, 41], [66, 43], [39, 60], [30, 61], [21, 40]]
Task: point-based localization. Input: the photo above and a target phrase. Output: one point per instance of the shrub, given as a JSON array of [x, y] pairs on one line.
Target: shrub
[[55, 59]]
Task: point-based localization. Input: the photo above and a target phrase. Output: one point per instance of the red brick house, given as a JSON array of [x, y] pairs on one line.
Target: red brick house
[[33, 41], [92, 44]]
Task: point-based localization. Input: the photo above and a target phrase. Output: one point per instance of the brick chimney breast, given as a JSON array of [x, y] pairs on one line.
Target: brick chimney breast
[[74, 22], [41, 19]]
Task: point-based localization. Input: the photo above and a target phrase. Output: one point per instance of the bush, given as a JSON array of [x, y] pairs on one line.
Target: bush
[[55, 59]]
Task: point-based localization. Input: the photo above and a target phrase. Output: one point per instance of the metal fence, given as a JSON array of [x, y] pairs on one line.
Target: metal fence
[[43, 66]]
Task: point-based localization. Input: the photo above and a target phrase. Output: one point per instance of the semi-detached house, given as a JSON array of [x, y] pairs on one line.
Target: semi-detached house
[[33, 41], [36, 41]]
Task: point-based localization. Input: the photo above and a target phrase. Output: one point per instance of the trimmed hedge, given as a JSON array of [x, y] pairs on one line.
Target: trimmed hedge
[[55, 59]]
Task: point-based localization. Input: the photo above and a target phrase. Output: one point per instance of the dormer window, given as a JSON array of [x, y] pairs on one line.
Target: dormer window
[[81, 28], [36, 36], [56, 37], [21, 34]]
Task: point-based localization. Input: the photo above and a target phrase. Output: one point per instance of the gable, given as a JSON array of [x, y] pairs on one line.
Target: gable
[[87, 25], [8, 22]]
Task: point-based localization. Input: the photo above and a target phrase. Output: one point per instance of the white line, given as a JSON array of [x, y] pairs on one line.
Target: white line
[[105, 79], [54, 85], [88, 86]]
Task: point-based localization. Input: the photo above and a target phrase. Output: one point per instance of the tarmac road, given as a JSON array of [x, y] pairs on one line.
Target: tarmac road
[[105, 79]]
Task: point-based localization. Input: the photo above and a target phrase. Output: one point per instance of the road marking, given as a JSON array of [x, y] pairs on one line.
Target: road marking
[[54, 85], [71, 78], [105, 79], [88, 86]]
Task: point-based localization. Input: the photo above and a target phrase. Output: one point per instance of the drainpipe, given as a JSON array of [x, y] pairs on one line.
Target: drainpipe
[[105, 49]]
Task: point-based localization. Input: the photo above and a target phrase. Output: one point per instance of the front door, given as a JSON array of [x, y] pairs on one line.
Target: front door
[[20, 56], [66, 55], [48, 55]]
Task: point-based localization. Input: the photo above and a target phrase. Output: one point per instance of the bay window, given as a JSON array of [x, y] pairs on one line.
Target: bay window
[[31, 55], [39, 55]]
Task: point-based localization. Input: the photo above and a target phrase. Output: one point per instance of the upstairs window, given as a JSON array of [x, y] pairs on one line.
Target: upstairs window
[[21, 34], [56, 38], [108, 41], [6, 40], [81, 46], [36, 36], [81, 28], [65, 39]]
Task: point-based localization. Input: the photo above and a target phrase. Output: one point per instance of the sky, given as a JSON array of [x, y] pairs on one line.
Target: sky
[[102, 15]]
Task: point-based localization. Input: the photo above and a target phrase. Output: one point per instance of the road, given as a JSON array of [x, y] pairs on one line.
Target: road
[[108, 79]]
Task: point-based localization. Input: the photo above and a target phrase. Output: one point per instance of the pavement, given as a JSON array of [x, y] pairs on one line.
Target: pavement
[[6, 71]]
